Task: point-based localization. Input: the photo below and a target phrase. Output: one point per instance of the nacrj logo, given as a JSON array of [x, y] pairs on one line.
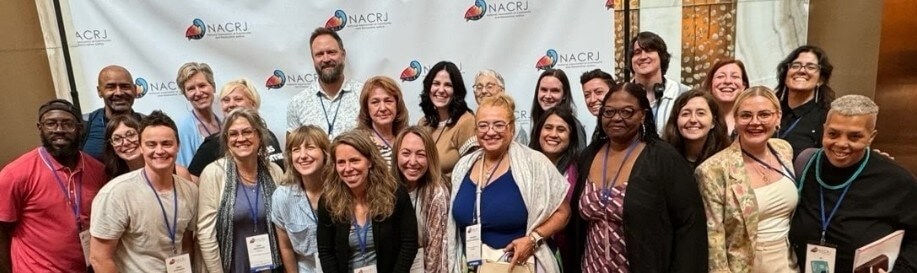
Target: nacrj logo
[[412, 72], [142, 87], [476, 11], [547, 61], [337, 22], [197, 30], [276, 81]]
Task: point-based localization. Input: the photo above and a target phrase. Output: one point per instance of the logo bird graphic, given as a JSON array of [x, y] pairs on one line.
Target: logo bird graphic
[[547, 61], [477, 11], [337, 22], [276, 81], [412, 72], [142, 87], [197, 30], [610, 4]]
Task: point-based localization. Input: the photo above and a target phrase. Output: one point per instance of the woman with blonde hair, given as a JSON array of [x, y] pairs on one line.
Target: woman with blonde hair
[[234, 203], [416, 166], [296, 197], [367, 223], [195, 80], [382, 112], [749, 191]]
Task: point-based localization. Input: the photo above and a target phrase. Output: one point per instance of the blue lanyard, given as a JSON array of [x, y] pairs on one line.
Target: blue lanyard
[[607, 192], [786, 171], [171, 229], [311, 215], [786, 132], [205, 125], [825, 221], [361, 239], [336, 110], [379, 135], [74, 206], [252, 208]]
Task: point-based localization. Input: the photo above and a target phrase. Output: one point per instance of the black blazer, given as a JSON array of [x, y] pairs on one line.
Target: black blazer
[[665, 226], [395, 239]]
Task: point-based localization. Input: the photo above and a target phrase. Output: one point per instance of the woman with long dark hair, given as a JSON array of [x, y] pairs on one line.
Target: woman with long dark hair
[[805, 96], [696, 128], [446, 114]]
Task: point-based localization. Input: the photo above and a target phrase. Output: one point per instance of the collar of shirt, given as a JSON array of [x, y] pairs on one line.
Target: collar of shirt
[[346, 87]]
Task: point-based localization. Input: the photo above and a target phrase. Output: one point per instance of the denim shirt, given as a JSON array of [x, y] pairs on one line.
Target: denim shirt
[[292, 212]]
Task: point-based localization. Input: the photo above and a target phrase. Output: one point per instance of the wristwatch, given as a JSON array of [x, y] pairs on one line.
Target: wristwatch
[[536, 238]]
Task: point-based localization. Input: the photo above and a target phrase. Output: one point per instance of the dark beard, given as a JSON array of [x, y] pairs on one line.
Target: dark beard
[[332, 76], [70, 151]]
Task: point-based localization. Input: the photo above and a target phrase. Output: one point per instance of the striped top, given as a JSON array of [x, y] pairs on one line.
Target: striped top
[[605, 246]]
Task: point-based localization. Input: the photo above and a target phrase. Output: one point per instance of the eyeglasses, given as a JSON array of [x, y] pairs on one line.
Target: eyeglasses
[[498, 127], [625, 113], [763, 116], [66, 126], [244, 134], [130, 136], [809, 66], [490, 87]]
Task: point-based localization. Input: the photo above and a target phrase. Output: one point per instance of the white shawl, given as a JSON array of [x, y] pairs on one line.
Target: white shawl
[[543, 190]]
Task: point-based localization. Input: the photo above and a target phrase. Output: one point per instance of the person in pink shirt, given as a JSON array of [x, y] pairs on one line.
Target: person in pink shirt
[[47, 195]]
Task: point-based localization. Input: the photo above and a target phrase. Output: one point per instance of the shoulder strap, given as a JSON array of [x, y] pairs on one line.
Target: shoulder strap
[[800, 163]]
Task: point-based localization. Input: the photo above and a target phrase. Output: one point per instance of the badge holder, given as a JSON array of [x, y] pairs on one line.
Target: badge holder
[[820, 257], [259, 253]]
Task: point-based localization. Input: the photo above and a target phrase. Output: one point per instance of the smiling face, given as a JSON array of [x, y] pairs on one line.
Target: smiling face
[[412, 158], [695, 120], [727, 83], [381, 107], [126, 141], [645, 62], [756, 120], [235, 99], [307, 158], [159, 145], [60, 133], [594, 91], [486, 86], [555, 136], [847, 138], [328, 58], [243, 140], [441, 89], [199, 91], [117, 90], [494, 130], [622, 117], [550, 92], [803, 79], [351, 166]]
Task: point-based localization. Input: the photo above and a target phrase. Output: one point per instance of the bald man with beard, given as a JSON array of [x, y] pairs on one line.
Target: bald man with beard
[[117, 90]]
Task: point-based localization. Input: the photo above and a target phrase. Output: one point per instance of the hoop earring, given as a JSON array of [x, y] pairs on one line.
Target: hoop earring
[[816, 92]]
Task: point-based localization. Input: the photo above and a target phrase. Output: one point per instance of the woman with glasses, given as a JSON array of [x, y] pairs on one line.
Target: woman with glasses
[[725, 80], [805, 96], [749, 191], [366, 220], [487, 83], [507, 195], [122, 151], [234, 204], [446, 114], [416, 167], [382, 113], [696, 127], [637, 203], [296, 198]]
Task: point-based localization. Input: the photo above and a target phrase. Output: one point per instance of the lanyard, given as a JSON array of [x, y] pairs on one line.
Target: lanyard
[[311, 215], [362, 235], [171, 229], [334, 120], [826, 220], [253, 207], [607, 193], [205, 125], [380, 137], [74, 206], [786, 132], [484, 179], [786, 171]]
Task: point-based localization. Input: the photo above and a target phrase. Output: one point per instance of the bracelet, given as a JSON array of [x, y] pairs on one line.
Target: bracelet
[[536, 238]]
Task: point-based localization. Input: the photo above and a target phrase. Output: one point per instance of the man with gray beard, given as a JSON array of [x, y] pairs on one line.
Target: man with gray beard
[[332, 103]]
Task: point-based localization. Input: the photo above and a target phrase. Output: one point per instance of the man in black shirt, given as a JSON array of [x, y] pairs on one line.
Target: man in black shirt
[[852, 196]]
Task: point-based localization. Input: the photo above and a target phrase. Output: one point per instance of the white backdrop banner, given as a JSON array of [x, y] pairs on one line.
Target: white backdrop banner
[[267, 42]]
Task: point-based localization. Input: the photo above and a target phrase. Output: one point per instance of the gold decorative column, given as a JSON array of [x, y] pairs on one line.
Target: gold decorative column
[[619, 33], [708, 35]]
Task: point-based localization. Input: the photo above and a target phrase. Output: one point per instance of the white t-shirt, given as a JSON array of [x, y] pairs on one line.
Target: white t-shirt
[[126, 209]]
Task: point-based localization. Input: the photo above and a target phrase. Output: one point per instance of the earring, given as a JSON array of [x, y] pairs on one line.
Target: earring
[[642, 129]]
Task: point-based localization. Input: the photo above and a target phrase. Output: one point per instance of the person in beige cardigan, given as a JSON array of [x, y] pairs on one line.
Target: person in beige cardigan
[[244, 180]]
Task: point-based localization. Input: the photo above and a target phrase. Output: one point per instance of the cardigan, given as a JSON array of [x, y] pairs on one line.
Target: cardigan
[[450, 140], [663, 213], [732, 207], [395, 238]]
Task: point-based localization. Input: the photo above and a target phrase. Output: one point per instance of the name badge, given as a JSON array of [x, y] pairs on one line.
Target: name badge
[[366, 269], [84, 243], [417, 266], [820, 258], [259, 253], [473, 244], [179, 264]]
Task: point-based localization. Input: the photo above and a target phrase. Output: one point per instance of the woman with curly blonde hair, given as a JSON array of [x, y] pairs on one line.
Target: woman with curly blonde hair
[[366, 219]]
